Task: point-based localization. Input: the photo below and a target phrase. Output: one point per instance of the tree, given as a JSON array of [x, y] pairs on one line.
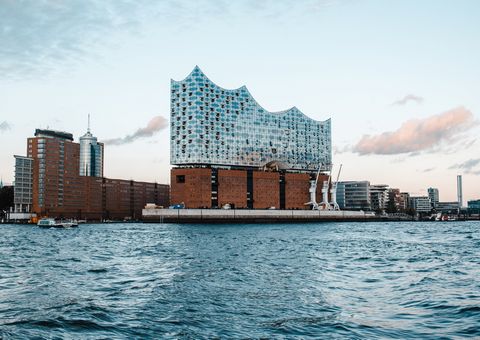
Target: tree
[[391, 207]]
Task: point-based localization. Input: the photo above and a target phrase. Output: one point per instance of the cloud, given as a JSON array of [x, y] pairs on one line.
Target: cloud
[[155, 125], [5, 126], [467, 166], [429, 169], [408, 98], [418, 134], [341, 149], [38, 35]]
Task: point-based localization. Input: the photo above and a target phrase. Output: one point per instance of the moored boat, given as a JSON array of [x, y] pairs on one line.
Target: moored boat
[[51, 223]]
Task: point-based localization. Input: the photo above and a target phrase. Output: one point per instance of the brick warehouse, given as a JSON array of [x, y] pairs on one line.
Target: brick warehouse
[[58, 190], [242, 189], [227, 149]]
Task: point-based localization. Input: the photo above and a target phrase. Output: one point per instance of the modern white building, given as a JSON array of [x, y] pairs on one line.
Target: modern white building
[[91, 155], [421, 204]]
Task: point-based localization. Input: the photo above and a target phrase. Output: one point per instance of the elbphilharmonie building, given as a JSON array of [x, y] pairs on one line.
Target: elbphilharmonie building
[[214, 126], [228, 151]]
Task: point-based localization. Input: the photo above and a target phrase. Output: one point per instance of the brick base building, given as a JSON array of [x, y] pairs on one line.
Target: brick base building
[[48, 183], [242, 189]]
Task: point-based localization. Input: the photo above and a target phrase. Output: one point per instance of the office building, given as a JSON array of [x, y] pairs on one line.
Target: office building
[[91, 155], [379, 197], [354, 195], [23, 188], [447, 207], [227, 149], [474, 206], [421, 204], [51, 174], [434, 196]]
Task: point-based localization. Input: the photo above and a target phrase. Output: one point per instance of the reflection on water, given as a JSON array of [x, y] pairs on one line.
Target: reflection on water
[[367, 280]]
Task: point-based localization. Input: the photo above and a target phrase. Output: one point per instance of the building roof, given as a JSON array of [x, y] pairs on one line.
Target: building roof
[[53, 134]]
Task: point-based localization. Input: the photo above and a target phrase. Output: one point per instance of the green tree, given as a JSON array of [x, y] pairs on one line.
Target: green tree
[[391, 207], [6, 198]]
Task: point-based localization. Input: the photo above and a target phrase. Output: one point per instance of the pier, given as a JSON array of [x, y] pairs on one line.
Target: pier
[[253, 216]]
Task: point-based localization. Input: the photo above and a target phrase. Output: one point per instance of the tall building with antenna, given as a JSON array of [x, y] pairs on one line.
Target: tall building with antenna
[[91, 155]]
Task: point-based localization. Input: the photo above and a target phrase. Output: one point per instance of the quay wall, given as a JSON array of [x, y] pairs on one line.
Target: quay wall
[[251, 216]]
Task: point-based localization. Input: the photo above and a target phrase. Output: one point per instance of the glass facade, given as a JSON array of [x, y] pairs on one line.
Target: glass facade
[[211, 125], [353, 195], [91, 156]]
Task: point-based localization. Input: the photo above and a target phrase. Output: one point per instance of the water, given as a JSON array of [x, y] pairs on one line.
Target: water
[[325, 280]]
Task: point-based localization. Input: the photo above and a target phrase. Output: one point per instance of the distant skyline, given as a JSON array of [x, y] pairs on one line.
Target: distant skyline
[[399, 79]]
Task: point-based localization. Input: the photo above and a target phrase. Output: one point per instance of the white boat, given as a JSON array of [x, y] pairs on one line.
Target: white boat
[[51, 223]]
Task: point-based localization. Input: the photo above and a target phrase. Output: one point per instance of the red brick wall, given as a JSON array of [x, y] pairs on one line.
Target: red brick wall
[[195, 192], [296, 189], [232, 188], [92, 198], [266, 190]]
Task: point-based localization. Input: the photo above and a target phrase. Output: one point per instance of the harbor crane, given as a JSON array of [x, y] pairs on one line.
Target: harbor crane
[[326, 185]]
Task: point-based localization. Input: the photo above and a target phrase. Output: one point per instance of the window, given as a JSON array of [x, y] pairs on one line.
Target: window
[[180, 178]]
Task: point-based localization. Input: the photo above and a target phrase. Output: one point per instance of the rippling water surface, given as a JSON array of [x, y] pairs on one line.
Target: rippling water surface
[[330, 280]]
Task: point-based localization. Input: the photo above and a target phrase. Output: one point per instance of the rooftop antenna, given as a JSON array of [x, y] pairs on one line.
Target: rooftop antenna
[[88, 129]]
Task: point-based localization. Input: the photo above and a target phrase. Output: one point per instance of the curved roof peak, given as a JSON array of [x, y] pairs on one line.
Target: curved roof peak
[[197, 71]]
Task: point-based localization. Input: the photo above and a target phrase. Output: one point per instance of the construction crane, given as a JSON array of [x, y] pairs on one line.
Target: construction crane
[[324, 205], [333, 191]]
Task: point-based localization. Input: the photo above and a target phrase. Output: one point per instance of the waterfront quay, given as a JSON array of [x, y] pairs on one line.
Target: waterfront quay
[[254, 216]]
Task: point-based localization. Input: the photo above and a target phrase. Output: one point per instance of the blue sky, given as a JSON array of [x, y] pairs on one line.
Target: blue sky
[[372, 66]]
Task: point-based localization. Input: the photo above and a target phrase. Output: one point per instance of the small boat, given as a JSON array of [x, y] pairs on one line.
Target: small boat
[[51, 223]]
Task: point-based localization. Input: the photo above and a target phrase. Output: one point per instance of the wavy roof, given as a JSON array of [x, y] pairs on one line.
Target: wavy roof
[[293, 109]]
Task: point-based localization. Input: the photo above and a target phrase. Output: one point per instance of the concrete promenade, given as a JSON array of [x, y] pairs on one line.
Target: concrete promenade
[[252, 216]]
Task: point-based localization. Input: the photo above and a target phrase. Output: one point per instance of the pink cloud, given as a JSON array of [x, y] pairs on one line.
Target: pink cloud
[[418, 134], [155, 125]]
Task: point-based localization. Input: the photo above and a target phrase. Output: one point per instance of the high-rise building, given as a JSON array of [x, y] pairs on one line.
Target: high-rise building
[[226, 148], [54, 154], [354, 195], [459, 191], [91, 155], [434, 196], [23, 188], [50, 184]]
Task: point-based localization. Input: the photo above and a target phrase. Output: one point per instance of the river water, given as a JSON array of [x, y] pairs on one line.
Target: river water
[[321, 280]]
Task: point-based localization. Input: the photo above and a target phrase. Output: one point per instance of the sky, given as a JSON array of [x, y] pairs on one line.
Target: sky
[[399, 79]]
